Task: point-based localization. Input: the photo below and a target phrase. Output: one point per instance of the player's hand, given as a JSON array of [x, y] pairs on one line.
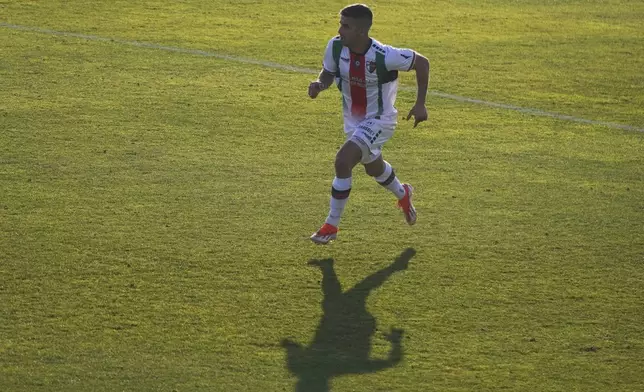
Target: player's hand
[[315, 88], [395, 336], [419, 111]]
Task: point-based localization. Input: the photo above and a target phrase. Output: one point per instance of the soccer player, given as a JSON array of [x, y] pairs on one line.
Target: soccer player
[[366, 73]]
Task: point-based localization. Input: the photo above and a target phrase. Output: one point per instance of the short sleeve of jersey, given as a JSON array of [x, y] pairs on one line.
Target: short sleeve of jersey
[[397, 59], [328, 63]]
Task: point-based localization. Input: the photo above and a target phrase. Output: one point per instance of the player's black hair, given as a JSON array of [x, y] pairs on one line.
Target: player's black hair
[[360, 12]]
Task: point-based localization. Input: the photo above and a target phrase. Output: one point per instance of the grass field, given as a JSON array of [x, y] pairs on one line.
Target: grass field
[[156, 201]]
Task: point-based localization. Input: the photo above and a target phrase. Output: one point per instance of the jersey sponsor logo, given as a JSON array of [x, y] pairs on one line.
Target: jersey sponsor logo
[[358, 81]]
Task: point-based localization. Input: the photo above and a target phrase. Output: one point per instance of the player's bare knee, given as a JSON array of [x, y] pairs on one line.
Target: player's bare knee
[[346, 159], [343, 166], [375, 168]]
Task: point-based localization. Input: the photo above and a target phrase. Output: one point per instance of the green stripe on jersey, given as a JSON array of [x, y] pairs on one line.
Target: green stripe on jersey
[[382, 73], [337, 50]]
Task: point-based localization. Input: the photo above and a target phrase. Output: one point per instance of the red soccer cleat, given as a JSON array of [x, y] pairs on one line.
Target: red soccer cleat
[[406, 206], [326, 234]]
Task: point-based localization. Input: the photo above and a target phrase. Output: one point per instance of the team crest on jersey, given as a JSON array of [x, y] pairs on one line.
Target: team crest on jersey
[[371, 66]]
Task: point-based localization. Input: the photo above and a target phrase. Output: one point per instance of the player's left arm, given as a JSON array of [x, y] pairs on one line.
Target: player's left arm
[[421, 66]]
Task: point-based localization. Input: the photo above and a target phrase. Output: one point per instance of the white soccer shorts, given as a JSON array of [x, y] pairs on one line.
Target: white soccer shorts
[[370, 135]]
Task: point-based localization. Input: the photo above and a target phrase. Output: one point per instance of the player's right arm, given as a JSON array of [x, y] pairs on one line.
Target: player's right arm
[[327, 75], [324, 81]]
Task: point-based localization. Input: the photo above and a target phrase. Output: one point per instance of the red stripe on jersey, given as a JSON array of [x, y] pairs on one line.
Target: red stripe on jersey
[[358, 85]]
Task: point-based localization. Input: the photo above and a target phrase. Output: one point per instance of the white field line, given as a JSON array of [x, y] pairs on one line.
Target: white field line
[[270, 64]]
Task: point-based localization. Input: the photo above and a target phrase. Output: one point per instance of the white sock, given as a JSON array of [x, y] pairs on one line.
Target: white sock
[[389, 180], [340, 190]]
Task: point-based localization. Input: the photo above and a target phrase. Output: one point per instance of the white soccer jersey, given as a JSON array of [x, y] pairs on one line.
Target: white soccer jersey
[[369, 81]]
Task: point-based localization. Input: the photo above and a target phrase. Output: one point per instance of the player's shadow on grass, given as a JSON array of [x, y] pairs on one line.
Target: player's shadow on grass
[[342, 342]]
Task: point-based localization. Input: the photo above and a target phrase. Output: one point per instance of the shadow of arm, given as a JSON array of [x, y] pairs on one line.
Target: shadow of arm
[[395, 355]]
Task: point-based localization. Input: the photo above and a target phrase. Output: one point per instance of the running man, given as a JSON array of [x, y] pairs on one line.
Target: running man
[[366, 73]]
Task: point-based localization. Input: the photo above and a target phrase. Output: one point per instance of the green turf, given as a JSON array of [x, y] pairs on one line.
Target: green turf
[[155, 206]]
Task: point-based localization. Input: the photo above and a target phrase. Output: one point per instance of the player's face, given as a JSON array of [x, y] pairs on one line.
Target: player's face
[[349, 30]]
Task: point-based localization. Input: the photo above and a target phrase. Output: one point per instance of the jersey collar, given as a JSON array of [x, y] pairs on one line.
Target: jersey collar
[[366, 50]]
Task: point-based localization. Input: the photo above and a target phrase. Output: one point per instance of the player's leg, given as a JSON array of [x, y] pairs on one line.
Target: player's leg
[[345, 160], [388, 179], [383, 172]]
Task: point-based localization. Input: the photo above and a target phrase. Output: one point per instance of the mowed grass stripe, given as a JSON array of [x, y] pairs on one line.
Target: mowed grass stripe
[[271, 64]]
